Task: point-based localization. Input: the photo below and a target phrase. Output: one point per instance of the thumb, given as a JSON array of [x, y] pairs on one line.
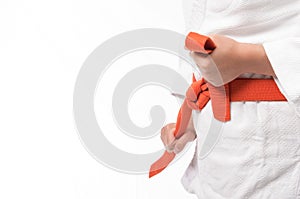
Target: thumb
[[183, 140]]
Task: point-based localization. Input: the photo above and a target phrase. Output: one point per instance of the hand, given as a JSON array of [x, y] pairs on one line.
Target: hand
[[231, 59], [177, 145]]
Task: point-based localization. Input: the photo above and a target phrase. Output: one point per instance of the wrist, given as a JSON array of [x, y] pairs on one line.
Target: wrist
[[240, 58], [252, 58]]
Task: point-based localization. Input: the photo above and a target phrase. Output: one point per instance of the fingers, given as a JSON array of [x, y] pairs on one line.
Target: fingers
[[167, 135], [171, 143], [180, 143], [208, 68], [203, 61], [170, 148]]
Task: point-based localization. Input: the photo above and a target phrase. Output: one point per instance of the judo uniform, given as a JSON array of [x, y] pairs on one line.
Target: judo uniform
[[257, 154]]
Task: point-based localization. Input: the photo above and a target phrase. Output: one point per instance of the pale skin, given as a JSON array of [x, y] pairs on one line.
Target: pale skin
[[228, 61]]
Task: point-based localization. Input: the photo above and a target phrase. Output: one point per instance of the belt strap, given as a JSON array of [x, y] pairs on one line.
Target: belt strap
[[200, 92], [245, 89]]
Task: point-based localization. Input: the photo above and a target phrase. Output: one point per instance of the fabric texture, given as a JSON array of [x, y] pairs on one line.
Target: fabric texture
[[257, 154]]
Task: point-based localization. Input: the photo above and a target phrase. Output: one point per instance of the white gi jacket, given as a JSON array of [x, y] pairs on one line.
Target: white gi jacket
[[257, 154]]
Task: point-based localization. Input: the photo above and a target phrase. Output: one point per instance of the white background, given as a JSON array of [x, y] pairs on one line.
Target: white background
[[42, 47]]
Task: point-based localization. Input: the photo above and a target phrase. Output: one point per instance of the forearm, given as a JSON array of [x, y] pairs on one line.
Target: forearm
[[253, 59], [231, 59]]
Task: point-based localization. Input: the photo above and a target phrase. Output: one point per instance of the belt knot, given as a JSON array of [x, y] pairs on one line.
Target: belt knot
[[197, 95]]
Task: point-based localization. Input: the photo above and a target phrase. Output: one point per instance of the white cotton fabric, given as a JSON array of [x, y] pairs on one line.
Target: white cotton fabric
[[257, 154]]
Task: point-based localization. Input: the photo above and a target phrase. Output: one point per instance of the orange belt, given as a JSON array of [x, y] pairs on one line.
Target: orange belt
[[200, 92]]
